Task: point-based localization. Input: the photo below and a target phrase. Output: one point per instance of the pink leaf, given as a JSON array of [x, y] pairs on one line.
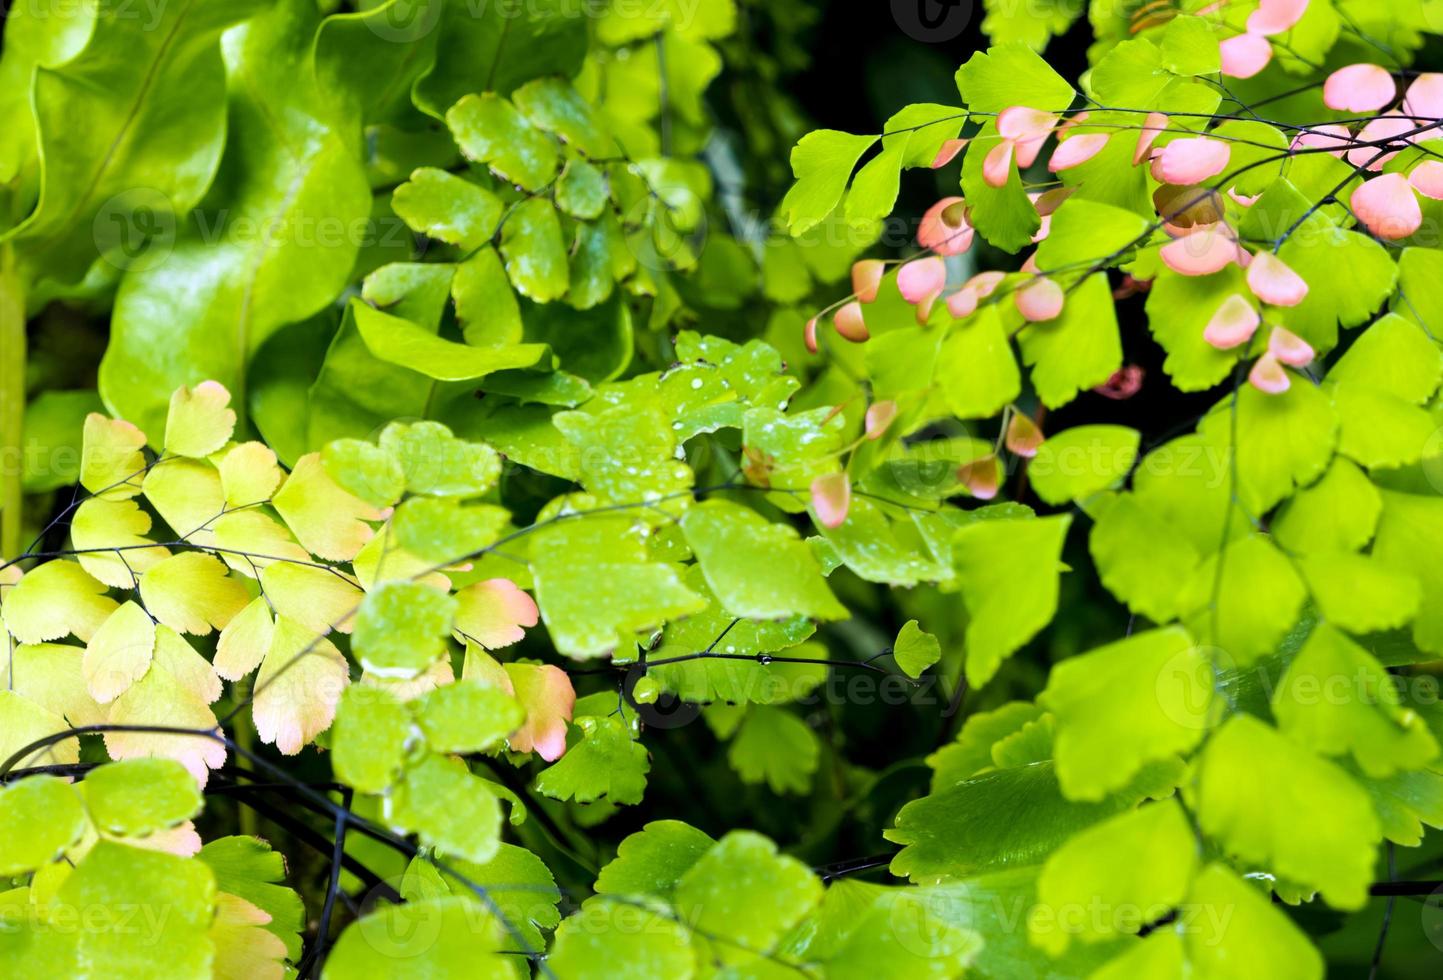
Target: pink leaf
[[1124, 383], [980, 477], [1273, 282], [1359, 88], [1424, 97], [867, 278], [1200, 252], [548, 697], [1040, 300], [1023, 436], [922, 278], [1380, 130], [494, 612], [1233, 324], [962, 303], [1427, 179], [831, 497], [850, 324], [924, 307], [944, 228], [986, 283], [1332, 136], [1190, 160], [997, 165], [1076, 150], [1021, 123], [1050, 200], [1245, 55], [1388, 207], [947, 153], [1152, 127], [1276, 16], [1289, 348], [879, 418], [1268, 375]]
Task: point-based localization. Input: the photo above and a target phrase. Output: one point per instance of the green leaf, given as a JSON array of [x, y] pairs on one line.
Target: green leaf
[[56, 599], [1008, 574], [1190, 46], [138, 797], [1337, 513], [366, 470], [980, 371], [437, 463], [485, 303], [1349, 276], [1005, 216], [1244, 599], [1337, 699], [915, 650], [450, 809], [521, 886], [595, 582], [490, 130], [1012, 21], [495, 48], [467, 717], [1079, 349], [1283, 441], [582, 190], [403, 343], [113, 878], [1359, 593], [448, 208], [277, 249], [535, 254], [742, 888], [247, 868], [881, 550], [729, 679], [1008, 75], [1269, 800], [1142, 859], [1409, 532], [130, 128], [1178, 310], [1003, 819], [822, 162], [1126, 704], [368, 743], [775, 747], [430, 937], [1081, 461], [972, 751], [43, 817], [401, 628], [553, 105], [611, 939], [54, 421], [605, 762], [758, 569], [653, 860], [441, 530], [1084, 232]]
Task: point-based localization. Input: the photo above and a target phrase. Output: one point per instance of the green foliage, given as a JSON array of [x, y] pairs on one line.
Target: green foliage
[[463, 477]]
